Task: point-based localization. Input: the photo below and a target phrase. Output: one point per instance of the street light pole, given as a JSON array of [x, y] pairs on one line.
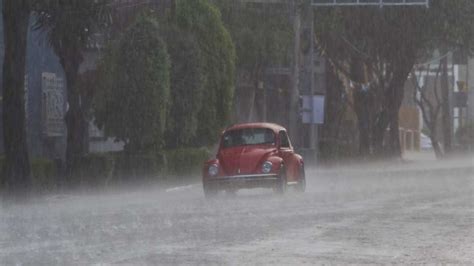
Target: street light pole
[[313, 126], [294, 93]]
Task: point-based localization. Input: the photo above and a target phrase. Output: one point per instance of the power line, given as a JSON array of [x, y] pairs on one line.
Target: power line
[[436, 59]]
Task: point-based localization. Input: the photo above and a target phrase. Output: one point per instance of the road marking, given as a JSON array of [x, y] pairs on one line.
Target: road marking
[[181, 188]]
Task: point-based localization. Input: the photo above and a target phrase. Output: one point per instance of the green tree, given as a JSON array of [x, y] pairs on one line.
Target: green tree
[[69, 26], [132, 105], [377, 49], [186, 86], [17, 165], [218, 57], [451, 26], [262, 35]]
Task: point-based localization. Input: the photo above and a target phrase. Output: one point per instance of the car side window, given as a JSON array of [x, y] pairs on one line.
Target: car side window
[[284, 141]]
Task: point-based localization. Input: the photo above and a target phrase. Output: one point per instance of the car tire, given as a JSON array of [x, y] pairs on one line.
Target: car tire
[[301, 186], [281, 185], [209, 191]]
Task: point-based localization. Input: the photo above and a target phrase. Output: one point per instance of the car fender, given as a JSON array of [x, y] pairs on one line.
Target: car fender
[[277, 162], [301, 164], [206, 165], [294, 167], [300, 159]]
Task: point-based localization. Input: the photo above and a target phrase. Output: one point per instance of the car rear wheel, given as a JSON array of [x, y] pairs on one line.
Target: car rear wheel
[[301, 186], [282, 184]]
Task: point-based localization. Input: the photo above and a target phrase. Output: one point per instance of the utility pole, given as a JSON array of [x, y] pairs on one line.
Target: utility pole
[[314, 128], [294, 93], [261, 87], [446, 107]]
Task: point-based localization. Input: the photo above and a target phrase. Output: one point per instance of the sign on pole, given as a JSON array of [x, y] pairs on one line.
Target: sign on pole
[[379, 3], [53, 105], [313, 109]]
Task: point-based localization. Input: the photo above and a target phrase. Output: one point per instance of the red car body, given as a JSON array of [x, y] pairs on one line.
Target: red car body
[[254, 155]]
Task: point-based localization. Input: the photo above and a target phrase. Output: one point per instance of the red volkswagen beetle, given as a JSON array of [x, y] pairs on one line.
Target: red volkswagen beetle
[[254, 155]]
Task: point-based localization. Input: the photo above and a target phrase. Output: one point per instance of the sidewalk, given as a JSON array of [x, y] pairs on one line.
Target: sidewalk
[[424, 155], [410, 160]]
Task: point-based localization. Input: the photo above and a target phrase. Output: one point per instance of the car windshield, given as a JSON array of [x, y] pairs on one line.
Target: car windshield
[[248, 136]]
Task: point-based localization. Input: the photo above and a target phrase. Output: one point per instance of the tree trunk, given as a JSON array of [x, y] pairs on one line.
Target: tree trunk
[[17, 165], [255, 77], [394, 149], [436, 147], [333, 114], [394, 99], [361, 105], [378, 132], [76, 122], [363, 121], [445, 107], [394, 102]]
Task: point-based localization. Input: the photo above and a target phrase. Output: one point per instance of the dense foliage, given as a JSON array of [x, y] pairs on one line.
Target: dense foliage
[[218, 56], [135, 93], [261, 33], [186, 86]]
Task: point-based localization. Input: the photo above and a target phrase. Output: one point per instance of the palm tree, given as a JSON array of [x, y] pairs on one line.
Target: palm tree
[[69, 26]]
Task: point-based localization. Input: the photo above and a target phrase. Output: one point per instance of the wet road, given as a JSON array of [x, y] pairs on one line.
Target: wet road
[[408, 213]]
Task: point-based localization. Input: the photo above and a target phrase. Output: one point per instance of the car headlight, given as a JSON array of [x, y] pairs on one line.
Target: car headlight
[[266, 167], [213, 170]]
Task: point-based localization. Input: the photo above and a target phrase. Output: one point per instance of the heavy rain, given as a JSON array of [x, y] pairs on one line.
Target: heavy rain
[[236, 132]]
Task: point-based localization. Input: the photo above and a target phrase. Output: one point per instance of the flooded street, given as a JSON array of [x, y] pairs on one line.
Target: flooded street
[[411, 212]]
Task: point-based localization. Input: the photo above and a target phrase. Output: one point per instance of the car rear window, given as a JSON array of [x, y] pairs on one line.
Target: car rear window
[[248, 136]]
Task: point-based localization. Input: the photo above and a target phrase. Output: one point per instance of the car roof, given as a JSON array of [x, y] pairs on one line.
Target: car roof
[[275, 127]]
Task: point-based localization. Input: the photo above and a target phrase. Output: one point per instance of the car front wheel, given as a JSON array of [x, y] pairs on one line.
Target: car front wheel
[[281, 185], [209, 191], [301, 186]]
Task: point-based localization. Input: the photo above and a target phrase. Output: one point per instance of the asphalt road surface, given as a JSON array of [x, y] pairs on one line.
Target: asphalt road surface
[[416, 212]]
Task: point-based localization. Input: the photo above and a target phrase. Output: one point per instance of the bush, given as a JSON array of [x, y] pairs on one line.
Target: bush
[[101, 169], [138, 166], [43, 174], [175, 162], [124, 167], [95, 169], [186, 160]]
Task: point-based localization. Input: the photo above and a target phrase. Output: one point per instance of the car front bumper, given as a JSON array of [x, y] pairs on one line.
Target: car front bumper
[[244, 181]]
